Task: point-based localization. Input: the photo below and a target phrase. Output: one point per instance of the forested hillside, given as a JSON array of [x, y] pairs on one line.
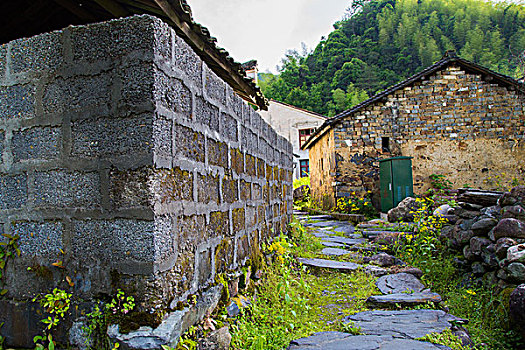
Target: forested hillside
[[385, 41]]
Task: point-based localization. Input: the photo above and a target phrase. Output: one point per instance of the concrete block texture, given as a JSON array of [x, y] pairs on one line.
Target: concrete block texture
[[128, 160]]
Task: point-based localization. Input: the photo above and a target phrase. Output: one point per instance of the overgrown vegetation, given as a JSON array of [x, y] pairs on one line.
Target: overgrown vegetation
[[482, 305], [356, 204], [293, 303], [382, 42]]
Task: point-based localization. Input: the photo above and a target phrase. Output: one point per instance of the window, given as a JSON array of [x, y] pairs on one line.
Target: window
[[385, 144], [304, 134], [304, 168]]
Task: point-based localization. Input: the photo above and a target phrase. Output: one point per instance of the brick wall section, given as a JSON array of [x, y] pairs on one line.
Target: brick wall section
[[453, 123], [125, 157]]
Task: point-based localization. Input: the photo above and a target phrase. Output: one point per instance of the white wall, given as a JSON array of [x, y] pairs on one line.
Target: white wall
[[287, 121]]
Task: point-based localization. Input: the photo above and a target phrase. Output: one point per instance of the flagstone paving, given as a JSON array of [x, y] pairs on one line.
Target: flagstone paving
[[383, 328]]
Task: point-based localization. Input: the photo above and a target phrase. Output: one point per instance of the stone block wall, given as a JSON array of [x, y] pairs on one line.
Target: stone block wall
[[129, 163], [453, 123]]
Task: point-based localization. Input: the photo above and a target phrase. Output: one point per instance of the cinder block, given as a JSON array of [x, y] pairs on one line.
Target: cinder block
[[189, 143], [13, 191], [173, 185], [214, 87], [243, 249], [229, 127], [131, 188], [3, 60], [38, 54], [251, 168], [217, 153], [162, 136], [139, 91], [78, 94], [238, 220], [41, 239], [109, 137], [187, 60], [165, 240], [229, 190], [234, 102], [114, 39], [17, 101], [205, 267], [206, 113], [208, 188], [191, 231], [61, 189], [219, 224], [246, 192], [36, 143], [172, 94], [237, 161], [224, 255], [113, 242]]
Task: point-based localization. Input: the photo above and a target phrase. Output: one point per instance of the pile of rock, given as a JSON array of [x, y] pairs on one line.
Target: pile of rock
[[489, 229]]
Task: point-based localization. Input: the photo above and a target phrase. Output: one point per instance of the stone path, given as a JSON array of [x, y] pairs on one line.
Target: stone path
[[384, 328]]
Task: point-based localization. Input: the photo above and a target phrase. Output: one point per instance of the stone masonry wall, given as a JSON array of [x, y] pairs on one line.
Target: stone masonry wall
[[453, 123], [128, 162]]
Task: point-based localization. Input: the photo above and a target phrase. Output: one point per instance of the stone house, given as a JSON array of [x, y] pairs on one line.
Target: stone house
[[455, 118], [296, 125], [129, 160]]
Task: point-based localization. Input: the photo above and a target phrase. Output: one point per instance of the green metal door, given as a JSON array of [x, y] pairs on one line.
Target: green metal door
[[385, 185], [395, 179]]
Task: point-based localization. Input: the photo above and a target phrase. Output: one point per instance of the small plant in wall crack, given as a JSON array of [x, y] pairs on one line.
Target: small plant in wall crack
[[100, 317], [56, 304], [8, 249]]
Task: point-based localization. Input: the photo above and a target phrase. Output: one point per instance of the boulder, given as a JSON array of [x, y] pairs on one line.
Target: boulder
[[516, 195], [384, 259], [492, 212], [219, 339], [478, 269], [403, 211], [516, 272], [489, 258], [508, 227], [477, 243], [517, 307], [300, 193], [443, 210], [468, 254], [502, 245], [483, 226], [516, 253], [514, 211], [399, 283], [463, 237]]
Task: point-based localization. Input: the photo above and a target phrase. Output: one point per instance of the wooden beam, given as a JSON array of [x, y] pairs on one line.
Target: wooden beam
[[76, 9], [113, 7]]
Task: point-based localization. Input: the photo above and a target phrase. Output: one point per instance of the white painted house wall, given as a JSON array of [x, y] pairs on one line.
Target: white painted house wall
[[287, 120]]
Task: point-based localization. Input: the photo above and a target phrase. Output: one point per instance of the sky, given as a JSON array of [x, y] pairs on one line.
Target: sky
[[265, 29]]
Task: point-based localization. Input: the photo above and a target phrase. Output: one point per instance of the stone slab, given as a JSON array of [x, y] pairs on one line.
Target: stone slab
[[346, 341], [405, 324], [404, 299], [345, 240], [332, 244], [330, 264], [319, 234], [399, 283], [335, 251]]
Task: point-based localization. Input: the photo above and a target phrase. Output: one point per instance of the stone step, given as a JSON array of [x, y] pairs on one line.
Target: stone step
[[345, 240], [333, 244], [404, 299], [373, 234], [342, 266], [399, 283], [404, 324], [335, 251], [319, 234], [345, 341], [384, 226]]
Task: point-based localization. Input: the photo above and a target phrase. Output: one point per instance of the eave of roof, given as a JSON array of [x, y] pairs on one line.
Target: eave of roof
[[315, 114], [448, 59], [29, 17]]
